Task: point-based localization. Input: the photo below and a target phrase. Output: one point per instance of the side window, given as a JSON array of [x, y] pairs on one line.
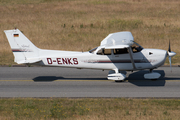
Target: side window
[[107, 51], [104, 52], [120, 51]]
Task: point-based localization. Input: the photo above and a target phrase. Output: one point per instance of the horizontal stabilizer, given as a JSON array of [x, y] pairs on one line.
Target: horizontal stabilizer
[[29, 61]]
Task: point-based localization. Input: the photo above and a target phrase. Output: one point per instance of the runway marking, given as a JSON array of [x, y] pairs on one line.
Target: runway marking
[[50, 80], [173, 80], [85, 80], [16, 80]]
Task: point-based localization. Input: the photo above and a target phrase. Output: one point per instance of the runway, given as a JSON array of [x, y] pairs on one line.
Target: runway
[[68, 82]]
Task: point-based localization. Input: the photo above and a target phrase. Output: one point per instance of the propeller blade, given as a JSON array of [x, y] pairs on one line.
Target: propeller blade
[[170, 54], [169, 50], [170, 63]]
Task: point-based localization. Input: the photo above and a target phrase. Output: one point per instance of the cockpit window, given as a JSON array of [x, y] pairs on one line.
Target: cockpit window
[[107, 51], [120, 51], [100, 52], [104, 52], [136, 47]]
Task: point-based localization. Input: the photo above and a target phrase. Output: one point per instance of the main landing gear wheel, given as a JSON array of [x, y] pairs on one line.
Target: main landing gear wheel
[[117, 76]]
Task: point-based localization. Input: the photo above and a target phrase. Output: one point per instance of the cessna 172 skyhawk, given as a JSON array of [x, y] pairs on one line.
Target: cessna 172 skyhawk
[[118, 53]]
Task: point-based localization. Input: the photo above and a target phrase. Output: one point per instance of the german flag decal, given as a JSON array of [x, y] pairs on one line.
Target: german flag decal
[[16, 35]]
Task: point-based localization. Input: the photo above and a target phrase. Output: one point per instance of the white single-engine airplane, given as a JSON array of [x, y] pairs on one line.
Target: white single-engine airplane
[[118, 53]]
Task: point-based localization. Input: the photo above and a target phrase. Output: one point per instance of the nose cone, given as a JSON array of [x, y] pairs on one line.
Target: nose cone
[[171, 54]]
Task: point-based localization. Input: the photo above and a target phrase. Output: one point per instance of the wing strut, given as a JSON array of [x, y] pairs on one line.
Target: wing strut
[[132, 60]]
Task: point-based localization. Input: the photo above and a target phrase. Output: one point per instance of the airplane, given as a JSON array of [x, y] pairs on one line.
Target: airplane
[[118, 52]]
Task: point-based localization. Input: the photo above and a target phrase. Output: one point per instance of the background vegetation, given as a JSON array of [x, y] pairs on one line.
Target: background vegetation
[[91, 109], [81, 24]]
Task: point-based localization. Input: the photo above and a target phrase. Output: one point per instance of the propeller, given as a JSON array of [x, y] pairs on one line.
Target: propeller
[[170, 54]]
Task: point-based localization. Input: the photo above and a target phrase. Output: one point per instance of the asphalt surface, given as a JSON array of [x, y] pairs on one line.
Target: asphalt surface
[[68, 82]]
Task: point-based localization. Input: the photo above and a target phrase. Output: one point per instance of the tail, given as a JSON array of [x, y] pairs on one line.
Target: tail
[[23, 49]]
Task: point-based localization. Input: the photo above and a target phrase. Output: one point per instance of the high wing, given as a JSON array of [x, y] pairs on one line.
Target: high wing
[[118, 40]]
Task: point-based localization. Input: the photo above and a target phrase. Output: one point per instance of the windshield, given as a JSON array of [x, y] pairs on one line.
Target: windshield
[[136, 47]]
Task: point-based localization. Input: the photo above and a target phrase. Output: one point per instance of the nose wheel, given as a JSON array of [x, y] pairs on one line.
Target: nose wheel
[[152, 75]]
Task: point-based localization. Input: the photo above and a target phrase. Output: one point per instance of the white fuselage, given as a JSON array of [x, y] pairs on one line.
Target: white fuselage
[[145, 59]]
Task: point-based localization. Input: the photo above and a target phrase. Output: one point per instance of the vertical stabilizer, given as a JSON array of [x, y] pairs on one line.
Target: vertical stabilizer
[[23, 49]]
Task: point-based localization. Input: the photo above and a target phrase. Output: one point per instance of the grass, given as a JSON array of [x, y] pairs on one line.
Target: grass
[[81, 25], [92, 109]]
